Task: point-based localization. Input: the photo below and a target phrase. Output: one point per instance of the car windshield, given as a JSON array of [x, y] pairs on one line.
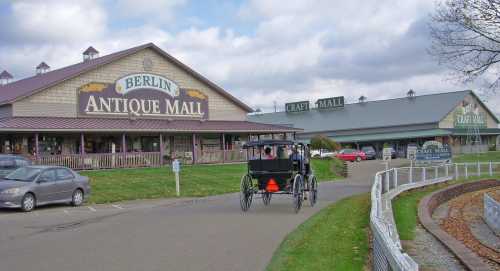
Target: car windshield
[[24, 174], [367, 149]]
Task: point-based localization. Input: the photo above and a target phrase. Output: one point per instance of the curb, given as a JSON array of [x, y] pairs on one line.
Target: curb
[[427, 206]]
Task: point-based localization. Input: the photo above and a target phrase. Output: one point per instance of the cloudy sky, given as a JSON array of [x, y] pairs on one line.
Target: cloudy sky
[[262, 51]]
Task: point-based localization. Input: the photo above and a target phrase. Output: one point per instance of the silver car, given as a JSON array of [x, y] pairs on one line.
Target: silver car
[[31, 186]]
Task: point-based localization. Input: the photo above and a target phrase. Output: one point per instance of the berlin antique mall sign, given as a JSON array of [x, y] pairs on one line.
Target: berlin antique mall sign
[[141, 95]]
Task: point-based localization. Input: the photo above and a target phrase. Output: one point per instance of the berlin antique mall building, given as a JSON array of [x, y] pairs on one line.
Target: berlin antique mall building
[[136, 107], [459, 119]]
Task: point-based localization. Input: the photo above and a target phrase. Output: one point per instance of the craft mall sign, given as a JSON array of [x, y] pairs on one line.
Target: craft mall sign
[[141, 95], [468, 115], [321, 104], [433, 151]]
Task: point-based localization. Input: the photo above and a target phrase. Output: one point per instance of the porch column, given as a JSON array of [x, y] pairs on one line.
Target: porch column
[[172, 148], [124, 143], [161, 149], [194, 148], [37, 146], [223, 148], [82, 144]]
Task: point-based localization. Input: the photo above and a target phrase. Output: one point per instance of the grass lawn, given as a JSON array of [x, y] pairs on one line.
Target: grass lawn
[[405, 207], [481, 157], [144, 183], [196, 181], [328, 169], [328, 240]]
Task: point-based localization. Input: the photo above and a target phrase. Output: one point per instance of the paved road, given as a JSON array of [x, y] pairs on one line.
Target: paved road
[[201, 234]]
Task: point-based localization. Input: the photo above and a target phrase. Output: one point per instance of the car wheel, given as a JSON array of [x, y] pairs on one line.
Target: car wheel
[[28, 203], [77, 198], [358, 159]]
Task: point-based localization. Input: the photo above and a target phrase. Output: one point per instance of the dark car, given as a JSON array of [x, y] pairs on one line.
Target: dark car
[[9, 163], [369, 152], [32, 186]]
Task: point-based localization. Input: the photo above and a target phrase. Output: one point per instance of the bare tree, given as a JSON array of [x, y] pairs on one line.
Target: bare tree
[[466, 38]]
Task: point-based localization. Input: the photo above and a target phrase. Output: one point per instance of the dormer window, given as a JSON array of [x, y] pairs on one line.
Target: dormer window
[[410, 93], [42, 68], [90, 54], [5, 78]]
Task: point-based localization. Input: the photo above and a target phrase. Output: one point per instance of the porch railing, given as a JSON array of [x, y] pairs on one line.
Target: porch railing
[[134, 159], [101, 160], [220, 156]]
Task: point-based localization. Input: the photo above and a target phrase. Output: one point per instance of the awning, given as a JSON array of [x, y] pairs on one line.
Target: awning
[[482, 131], [51, 124], [392, 136]]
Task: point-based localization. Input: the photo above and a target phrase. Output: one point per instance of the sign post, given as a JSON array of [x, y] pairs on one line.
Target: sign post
[[387, 154], [176, 168]]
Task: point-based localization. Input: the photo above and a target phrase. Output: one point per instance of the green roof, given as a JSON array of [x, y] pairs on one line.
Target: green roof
[[390, 136], [482, 131]]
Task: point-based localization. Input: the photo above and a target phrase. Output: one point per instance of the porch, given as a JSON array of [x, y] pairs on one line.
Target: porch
[[85, 151]]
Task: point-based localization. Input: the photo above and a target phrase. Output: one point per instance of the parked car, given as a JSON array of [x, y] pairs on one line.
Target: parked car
[[32, 186], [370, 152], [351, 155], [322, 154], [9, 163], [393, 153]]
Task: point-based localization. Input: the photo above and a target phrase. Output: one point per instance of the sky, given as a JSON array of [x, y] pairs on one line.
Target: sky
[[264, 52]]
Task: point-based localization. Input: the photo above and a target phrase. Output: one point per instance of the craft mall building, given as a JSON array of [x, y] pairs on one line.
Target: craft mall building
[[459, 119], [137, 107]]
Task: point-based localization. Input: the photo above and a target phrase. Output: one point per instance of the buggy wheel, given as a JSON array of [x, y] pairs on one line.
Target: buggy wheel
[[266, 198], [246, 193], [298, 193], [313, 191]]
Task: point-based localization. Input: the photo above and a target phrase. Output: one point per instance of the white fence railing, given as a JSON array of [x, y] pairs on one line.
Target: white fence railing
[[388, 253]]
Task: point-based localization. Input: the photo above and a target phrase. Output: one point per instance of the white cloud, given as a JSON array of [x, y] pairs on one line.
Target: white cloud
[[150, 10], [301, 50], [58, 21]]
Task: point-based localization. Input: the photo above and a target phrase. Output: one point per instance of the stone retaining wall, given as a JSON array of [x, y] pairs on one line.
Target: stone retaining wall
[[492, 213]]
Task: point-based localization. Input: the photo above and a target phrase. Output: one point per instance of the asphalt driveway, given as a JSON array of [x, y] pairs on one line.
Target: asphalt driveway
[[171, 234]]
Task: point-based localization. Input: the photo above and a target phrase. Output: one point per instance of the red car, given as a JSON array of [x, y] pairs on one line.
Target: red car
[[351, 155]]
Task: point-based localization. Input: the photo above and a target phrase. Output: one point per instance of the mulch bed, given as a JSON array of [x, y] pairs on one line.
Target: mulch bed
[[463, 210]]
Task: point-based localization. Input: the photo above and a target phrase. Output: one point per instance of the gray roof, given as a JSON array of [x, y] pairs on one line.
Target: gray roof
[[423, 109]]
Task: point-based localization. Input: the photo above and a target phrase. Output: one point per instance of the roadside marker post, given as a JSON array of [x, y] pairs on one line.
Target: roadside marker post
[[176, 168]]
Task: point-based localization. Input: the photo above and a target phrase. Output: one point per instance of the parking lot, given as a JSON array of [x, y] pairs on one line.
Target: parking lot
[[178, 234]]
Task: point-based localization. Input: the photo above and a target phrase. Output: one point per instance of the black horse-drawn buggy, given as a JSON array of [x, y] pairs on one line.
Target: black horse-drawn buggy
[[279, 167]]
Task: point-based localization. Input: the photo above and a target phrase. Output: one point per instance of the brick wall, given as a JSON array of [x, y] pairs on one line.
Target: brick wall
[[61, 100]]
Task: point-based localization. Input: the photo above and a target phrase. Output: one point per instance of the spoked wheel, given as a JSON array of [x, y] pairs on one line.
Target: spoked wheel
[[266, 198], [313, 191], [246, 193], [298, 193]]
